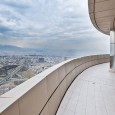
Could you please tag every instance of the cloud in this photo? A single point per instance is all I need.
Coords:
(53, 24)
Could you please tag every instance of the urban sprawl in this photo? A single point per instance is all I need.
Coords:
(15, 69)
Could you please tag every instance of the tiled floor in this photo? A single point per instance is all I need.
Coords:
(92, 93)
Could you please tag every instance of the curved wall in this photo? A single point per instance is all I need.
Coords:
(102, 14)
(42, 94)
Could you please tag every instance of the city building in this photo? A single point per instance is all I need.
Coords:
(82, 86)
(41, 60)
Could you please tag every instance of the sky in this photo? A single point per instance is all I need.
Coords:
(57, 25)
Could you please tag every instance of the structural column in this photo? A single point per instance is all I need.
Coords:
(112, 50)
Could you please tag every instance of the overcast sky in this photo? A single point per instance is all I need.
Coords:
(51, 24)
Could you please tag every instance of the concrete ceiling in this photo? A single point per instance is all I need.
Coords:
(102, 14)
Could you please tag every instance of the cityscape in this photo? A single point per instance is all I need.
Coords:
(15, 69)
(57, 57)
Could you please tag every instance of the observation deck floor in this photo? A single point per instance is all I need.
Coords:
(92, 93)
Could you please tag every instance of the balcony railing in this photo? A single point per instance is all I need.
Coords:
(42, 94)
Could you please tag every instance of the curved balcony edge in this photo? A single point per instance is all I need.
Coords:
(43, 93)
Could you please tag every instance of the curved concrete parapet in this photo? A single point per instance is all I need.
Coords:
(42, 94)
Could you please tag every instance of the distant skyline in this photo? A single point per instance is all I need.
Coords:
(57, 25)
